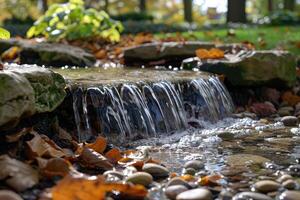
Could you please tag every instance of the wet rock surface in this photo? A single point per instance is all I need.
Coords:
(49, 54)
(255, 68)
(28, 89)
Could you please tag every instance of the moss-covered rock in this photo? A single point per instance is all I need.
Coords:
(28, 89)
(256, 68)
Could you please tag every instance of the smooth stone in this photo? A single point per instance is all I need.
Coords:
(178, 181)
(289, 195)
(141, 178)
(246, 159)
(156, 170)
(284, 178)
(251, 195)
(118, 174)
(283, 112)
(172, 191)
(266, 186)
(9, 195)
(289, 184)
(195, 194)
(189, 171)
(195, 164)
(289, 120)
(294, 169)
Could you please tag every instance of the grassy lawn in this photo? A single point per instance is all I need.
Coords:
(281, 37)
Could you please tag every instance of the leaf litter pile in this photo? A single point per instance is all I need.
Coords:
(37, 168)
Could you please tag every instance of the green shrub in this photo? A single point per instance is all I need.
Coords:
(72, 21)
(133, 16)
(284, 17)
(4, 34)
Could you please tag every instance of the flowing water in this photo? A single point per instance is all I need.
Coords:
(129, 110)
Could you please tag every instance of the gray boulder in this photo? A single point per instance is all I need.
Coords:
(49, 54)
(175, 52)
(255, 68)
(27, 90)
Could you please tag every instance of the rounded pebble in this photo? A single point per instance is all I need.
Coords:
(289, 184)
(289, 120)
(195, 194)
(172, 191)
(178, 181)
(189, 171)
(114, 173)
(9, 195)
(156, 170)
(266, 186)
(142, 178)
(284, 178)
(289, 195)
(195, 164)
(251, 195)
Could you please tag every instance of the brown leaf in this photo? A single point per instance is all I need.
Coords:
(213, 53)
(211, 180)
(81, 187)
(11, 54)
(42, 146)
(101, 54)
(114, 155)
(56, 167)
(93, 159)
(17, 174)
(16, 136)
(290, 98)
(99, 145)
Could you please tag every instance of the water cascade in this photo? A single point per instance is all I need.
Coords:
(144, 110)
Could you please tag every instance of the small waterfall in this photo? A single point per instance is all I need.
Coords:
(141, 110)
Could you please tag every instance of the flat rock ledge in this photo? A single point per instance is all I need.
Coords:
(26, 90)
(169, 52)
(255, 68)
(49, 54)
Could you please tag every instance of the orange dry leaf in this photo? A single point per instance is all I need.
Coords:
(56, 167)
(101, 54)
(93, 159)
(212, 180)
(11, 54)
(290, 98)
(213, 53)
(99, 145)
(114, 155)
(42, 146)
(93, 188)
(187, 177)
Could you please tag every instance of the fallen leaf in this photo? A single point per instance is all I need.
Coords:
(187, 177)
(290, 98)
(11, 54)
(99, 145)
(101, 54)
(17, 174)
(16, 136)
(56, 167)
(42, 146)
(211, 180)
(81, 187)
(114, 155)
(213, 53)
(93, 159)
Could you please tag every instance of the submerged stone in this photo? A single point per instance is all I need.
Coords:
(195, 194)
(141, 178)
(156, 170)
(266, 186)
(251, 195)
(289, 120)
(172, 191)
(289, 195)
(255, 68)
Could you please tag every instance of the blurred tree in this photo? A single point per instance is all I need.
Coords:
(289, 5)
(188, 10)
(236, 11)
(42, 5)
(143, 6)
(270, 5)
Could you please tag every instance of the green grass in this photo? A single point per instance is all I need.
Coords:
(281, 37)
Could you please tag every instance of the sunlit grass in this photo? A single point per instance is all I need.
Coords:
(282, 37)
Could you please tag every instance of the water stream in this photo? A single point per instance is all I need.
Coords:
(143, 110)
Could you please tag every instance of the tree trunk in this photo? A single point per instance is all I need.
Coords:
(43, 5)
(236, 11)
(106, 6)
(188, 10)
(289, 5)
(143, 6)
(270, 5)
